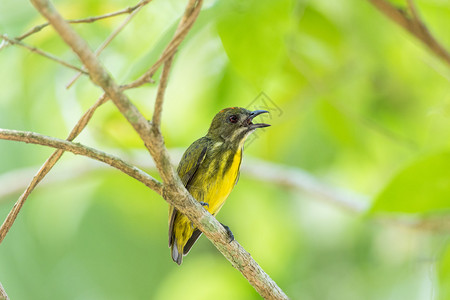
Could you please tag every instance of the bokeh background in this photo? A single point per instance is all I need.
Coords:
(356, 102)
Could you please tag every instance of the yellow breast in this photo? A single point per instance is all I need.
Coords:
(220, 191)
(217, 181)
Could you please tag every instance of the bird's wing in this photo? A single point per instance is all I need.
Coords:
(187, 168)
(191, 160)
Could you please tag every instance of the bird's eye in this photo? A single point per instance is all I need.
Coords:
(233, 118)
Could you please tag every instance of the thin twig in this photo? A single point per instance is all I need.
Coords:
(414, 25)
(127, 10)
(191, 13)
(42, 53)
(111, 37)
(173, 190)
(156, 120)
(46, 167)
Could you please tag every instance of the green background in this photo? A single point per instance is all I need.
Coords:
(355, 101)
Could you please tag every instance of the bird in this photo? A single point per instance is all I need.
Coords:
(209, 169)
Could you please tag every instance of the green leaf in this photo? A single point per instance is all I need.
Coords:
(422, 187)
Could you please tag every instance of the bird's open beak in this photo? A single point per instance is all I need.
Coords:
(248, 122)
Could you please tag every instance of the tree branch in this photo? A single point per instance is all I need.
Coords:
(414, 25)
(156, 120)
(42, 53)
(173, 190)
(190, 15)
(77, 148)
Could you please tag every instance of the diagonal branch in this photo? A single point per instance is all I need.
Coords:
(77, 148)
(173, 190)
(42, 53)
(46, 167)
(414, 25)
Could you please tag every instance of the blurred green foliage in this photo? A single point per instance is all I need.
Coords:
(419, 188)
(365, 107)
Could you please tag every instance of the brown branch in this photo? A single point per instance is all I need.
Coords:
(77, 148)
(127, 10)
(156, 120)
(46, 167)
(414, 25)
(42, 53)
(173, 190)
(112, 36)
(3, 295)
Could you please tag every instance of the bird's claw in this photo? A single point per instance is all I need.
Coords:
(228, 230)
(204, 204)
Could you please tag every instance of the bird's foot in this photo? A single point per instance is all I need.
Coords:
(204, 204)
(228, 230)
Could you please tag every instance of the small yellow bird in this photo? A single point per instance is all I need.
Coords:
(209, 170)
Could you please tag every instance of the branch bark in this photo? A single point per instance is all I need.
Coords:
(173, 190)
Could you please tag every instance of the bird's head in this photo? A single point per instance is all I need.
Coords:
(234, 124)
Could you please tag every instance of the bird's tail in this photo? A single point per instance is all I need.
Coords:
(177, 254)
